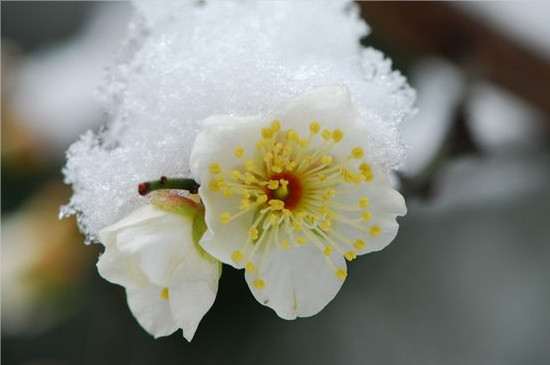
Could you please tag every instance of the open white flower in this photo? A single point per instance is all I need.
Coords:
(170, 282)
(291, 196)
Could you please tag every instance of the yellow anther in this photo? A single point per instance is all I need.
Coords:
(235, 174)
(225, 218)
(301, 240)
(364, 167)
(239, 151)
(291, 165)
(337, 135)
(276, 204)
(375, 231)
(327, 250)
(368, 175)
(326, 160)
(278, 146)
(286, 212)
(322, 177)
(245, 204)
(350, 255)
(366, 216)
(253, 234)
(215, 168)
(329, 194)
(363, 202)
(237, 256)
(326, 135)
(165, 293)
(214, 185)
(260, 144)
(303, 143)
(273, 184)
(268, 157)
(314, 127)
(359, 244)
(285, 244)
(292, 135)
(275, 125)
(277, 168)
(249, 178)
(325, 226)
(249, 165)
(261, 198)
(267, 133)
(250, 267)
(330, 215)
(350, 177)
(341, 274)
(259, 284)
(227, 192)
(357, 152)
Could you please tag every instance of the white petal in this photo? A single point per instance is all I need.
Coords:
(151, 310)
(139, 216)
(298, 281)
(193, 291)
(158, 242)
(217, 142)
(121, 269)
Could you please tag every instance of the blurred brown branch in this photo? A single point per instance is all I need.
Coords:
(440, 29)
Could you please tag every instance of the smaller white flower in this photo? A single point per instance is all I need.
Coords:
(170, 281)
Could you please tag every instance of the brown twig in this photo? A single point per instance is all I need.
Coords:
(441, 29)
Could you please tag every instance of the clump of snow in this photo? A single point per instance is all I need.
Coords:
(184, 61)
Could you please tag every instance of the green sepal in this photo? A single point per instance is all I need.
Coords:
(174, 203)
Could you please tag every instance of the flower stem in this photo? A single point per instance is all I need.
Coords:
(168, 183)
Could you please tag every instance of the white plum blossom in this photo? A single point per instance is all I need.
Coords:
(170, 282)
(291, 196)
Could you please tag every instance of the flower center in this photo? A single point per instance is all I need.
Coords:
(291, 185)
(289, 190)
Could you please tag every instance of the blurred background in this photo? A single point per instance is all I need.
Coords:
(465, 282)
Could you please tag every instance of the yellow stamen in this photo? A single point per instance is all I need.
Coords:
(259, 284)
(250, 267)
(165, 294)
(359, 244)
(375, 231)
(301, 240)
(350, 255)
(366, 216)
(341, 274)
(337, 135)
(239, 152)
(237, 256)
(357, 152)
(225, 218)
(314, 127)
(253, 234)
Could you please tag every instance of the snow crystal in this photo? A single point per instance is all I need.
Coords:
(184, 61)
